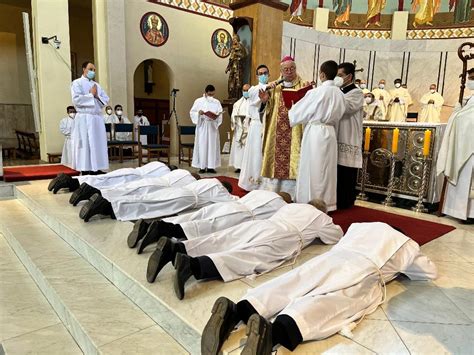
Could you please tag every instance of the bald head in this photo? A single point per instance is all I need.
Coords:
(246, 87)
(285, 196)
(196, 176)
(318, 204)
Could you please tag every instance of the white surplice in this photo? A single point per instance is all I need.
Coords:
(456, 162)
(120, 136)
(89, 137)
(349, 130)
(171, 200)
(332, 291)
(320, 109)
(148, 185)
(374, 111)
(257, 247)
(120, 176)
(431, 112)
(249, 178)
(207, 148)
(141, 121)
(397, 111)
(384, 97)
(240, 128)
(66, 126)
(256, 205)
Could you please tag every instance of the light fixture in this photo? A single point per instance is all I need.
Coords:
(56, 41)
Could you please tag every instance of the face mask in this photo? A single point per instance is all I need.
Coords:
(470, 84)
(245, 94)
(140, 114)
(381, 86)
(363, 86)
(432, 91)
(90, 74)
(397, 85)
(338, 81)
(72, 114)
(109, 112)
(263, 79)
(119, 112)
(368, 100)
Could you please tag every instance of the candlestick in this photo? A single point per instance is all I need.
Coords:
(427, 143)
(396, 132)
(362, 196)
(367, 139)
(391, 182)
(421, 191)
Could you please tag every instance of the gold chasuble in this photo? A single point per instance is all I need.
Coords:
(281, 143)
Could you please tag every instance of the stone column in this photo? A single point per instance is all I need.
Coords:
(321, 19)
(399, 25)
(100, 37)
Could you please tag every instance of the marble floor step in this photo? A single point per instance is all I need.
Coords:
(28, 324)
(99, 317)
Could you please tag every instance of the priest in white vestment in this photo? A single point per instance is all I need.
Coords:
(140, 120)
(250, 177)
(431, 102)
(374, 110)
(456, 160)
(381, 94)
(256, 205)
(206, 114)
(251, 248)
(66, 126)
(363, 86)
(328, 294)
(320, 110)
(399, 103)
(349, 138)
(118, 117)
(89, 137)
(239, 126)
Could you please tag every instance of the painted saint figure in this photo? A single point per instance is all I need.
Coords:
(425, 11)
(154, 35)
(296, 9)
(462, 10)
(342, 9)
(374, 10)
(222, 49)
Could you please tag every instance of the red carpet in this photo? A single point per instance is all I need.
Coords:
(420, 231)
(35, 172)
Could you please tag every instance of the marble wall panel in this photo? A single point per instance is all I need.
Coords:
(329, 53)
(452, 82)
(14, 116)
(285, 45)
(388, 66)
(362, 58)
(305, 53)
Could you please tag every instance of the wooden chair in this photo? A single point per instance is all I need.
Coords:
(186, 131)
(28, 144)
(120, 144)
(153, 146)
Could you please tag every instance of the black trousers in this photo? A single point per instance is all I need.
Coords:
(346, 187)
(203, 267)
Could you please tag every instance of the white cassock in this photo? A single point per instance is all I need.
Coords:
(120, 136)
(397, 111)
(431, 112)
(239, 125)
(374, 111)
(257, 247)
(249, 178)
(148, 185)
(456, 162)
(141, 121)
(89, 137)
(384, 97)
(121, 176)
(365, 91)
(207, 147)
(349, 130)
(171, 200)
(320, 109)
(332, 291)
(66, 126)
(256, 205)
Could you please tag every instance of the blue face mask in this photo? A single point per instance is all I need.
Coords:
(245, 94)
(90, 74)
(263, 79)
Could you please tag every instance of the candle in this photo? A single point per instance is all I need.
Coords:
(396, 131)
(427, 143)
(367, 139)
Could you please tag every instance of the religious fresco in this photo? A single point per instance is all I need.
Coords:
(221, 42)
(154, 29)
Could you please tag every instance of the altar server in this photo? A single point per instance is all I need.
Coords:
(256, 205)
(431, 102)
(66, 126)
(374, 110)
(239, 126)
(456, 159)
(321, 110)
(399, 102)
(254, 247)
(118, 117)
(89, 137)
(206, 114)
(325, 295)
(382, 95)
(249, 178)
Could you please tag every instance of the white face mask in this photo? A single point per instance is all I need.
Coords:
(363, 86)
(72, 114)
(382, 86)
(368, 100)
(338, 81)
(119, 112)
(397, 85)
(109, 112)
(470, 84)
(432, 91)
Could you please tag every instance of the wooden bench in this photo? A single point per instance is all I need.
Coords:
(28, 145)
(54, 157)
(9, 152)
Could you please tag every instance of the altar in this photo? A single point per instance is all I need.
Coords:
(408, 160)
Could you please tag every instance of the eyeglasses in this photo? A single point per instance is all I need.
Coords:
(288, 70)
(262, 73)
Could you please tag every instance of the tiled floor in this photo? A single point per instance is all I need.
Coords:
(418, 317)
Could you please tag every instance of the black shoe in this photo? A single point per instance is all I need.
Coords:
(164, 253)
(100, 172)
(96, 205)
(151, 236)
(223, 320)
(83, 193)
(138, 232)
(182, 264)
(211, 171)
(202, 171)
(63, 181)
(54, 181)
(259, 336)
(237, 171)
(86, 172)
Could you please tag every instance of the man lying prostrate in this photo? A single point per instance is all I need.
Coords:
(91, 184)
(256, 205)
(165, 202)
(325, 295)
(253, 247)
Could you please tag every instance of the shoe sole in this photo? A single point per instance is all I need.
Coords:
(75, 195)
(155, 264)
(52, 183)
(146, 237)
(85, 210)
(134, 235)
(255, 331)
(177, 287)
(210, 340)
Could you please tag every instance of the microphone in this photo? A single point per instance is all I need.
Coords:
(279, 82)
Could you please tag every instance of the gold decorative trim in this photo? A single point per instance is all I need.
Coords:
(439, 33)
(200, 7)
(372, 34)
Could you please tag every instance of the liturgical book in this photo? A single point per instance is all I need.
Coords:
(292, 96)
